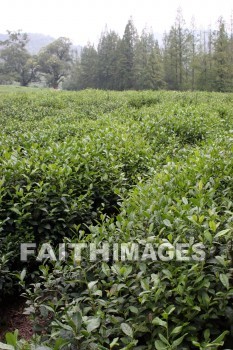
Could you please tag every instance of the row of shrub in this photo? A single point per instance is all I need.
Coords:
(132, 167)
(150, 304)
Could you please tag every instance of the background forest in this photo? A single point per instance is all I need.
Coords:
(185, 59)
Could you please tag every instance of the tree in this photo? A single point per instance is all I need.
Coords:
(193, 56)
(204, 78)
(88, 67)
(107, 60)
(148, 68)
(55, 60)
(176, 55)
(72, 81)
(231, 48)
(126, 54)
(170, 60)
(17, 64)
(222, 59)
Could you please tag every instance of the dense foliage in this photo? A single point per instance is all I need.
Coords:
(186, 58)
(17, 65)
(139, 167)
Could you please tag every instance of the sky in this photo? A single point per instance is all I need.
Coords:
(83, 20)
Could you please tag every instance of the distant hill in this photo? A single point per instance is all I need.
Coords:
(37, 41)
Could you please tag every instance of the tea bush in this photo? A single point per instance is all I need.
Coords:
(152, 304)
(139, 167)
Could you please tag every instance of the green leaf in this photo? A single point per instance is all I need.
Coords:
(133, 309)
(15, 210)
(11, 338)
(178, 341)
(221, 260)
(159, 345)
(164, 340)
(151, 227)
(158, 322)
(23, 274)
(114, 342)
(77, 319)
(212, 226)
(105, 268)
(207, 334)
(127, 330)
(92, 284)
(208, 236)
(218, 341)
(59, 343)
(225, 280)
(222, 233)
(177, 330)
(205, 298)
(145, 284)
(167, 223)
(170, 309)
(93, 324)
(200, 185)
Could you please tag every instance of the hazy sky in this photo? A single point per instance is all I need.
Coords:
(84, 20)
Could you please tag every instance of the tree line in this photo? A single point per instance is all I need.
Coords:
(187, 59)
(50, 66)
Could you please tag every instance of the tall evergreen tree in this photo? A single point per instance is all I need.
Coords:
(148, 68)
(88, 76)
(231, 51)
(107, 60)
(170, 59)
(221, 59)
(176, 54)
(188, 60)
(204, 78)
(193, 55)
(126, 54)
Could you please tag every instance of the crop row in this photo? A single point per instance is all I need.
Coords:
(128, 167)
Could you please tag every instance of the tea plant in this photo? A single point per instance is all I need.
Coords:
(140, 167)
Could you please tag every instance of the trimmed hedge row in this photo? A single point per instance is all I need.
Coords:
(144, 167)
(152, 304)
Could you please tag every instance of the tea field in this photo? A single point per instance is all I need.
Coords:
(145, 168)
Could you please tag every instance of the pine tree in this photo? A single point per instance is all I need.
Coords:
(221, 59)
(88, 77)
(148, 68)
(170, 59)
(231, 52)
(193, 55)
(126, 55)
(176, 54)
(107, 60)
(204, 79)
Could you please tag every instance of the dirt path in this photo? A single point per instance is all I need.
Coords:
(11, 318)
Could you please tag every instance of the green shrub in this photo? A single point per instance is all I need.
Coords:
(99, 166)
(155, 304)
